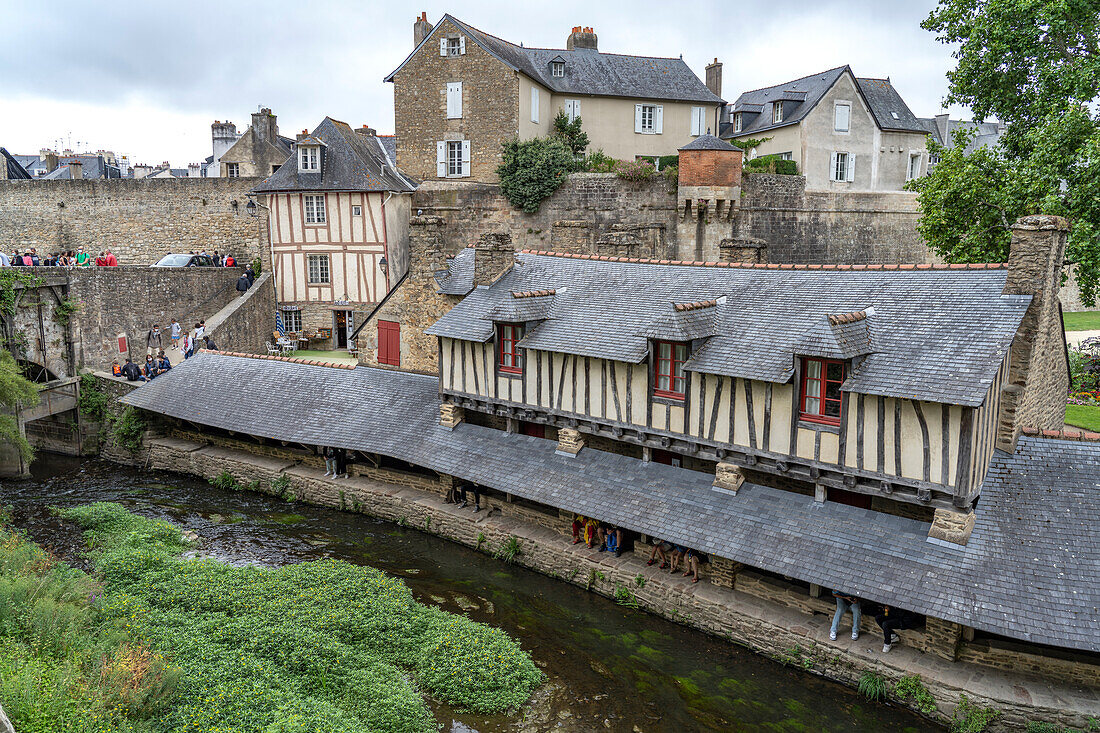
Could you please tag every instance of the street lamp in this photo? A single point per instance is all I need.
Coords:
(383, 265)
(251, 206)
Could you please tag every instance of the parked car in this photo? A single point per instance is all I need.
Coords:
(185, 261)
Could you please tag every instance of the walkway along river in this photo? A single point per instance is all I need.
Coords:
(609, 667)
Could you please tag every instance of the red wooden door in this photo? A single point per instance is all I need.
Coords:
(389, 343)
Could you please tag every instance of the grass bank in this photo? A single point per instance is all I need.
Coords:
(322, 647)
(1083, 416)
(1081, 321)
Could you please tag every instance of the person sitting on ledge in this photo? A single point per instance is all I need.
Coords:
(132, 372)
(844, 601)
(691, 564)
(679, 552)
(209, 344)
(890, 620)
(163, 364)
(660, 552)
(116, 368)
(611, 538)
(591, 532)
(578, 528)
(476, 490)
(150, 370)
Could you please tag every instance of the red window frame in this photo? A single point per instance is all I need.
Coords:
(509, 356)
(670, 369)
(820, 383)
(389, 343)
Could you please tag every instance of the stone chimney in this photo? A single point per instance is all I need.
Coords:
(1034, 392)
(493, 254)
(421, 29)
(743, 249)
(263, 126)
(581, 38)
(367, 130)
(51, 161)
(76, 170)
(714, 77)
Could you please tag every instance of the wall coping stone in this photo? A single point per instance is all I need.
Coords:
(772, 265)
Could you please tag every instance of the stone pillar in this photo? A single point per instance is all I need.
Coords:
(952, 526)
(723, 572)
(446, 483)
(750, 250)
(1034, 391)
(944, 638)
(821, 493)
(728, 477)
(493, 254)
(570, 441)
(450, 415)
(427, 250)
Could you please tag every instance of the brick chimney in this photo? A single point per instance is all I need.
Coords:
(581, 38)
(51, 162)
(76, 170)
(421, 29)
(1034, 393)
(714, 77)
(493, 254)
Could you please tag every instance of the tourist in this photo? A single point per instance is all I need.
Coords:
(28, 261)
(890, 620)
(692, 560)
(176, 332)
(5, 261)
(186, 345)
(329, 454)
(250, 273)
(150, 370)
(82, 259)
(591, 532)
(209, 343)
(229, 261)
(200, 330)
(473, 488)
(679, 552)
(845, 601)
(153, 339)
(243, 284)
(112, 261)
(163, 364)
(131, 371)
(660, 552)
(217, 259)
(116, 369)
(578, 528)
(35, 261)
(611, 539)
(101, 259)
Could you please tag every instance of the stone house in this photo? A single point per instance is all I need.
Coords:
(845, 133)
(258, 152)
(463, 92)
(338, 214)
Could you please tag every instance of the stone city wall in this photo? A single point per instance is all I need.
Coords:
(139, 220)
(790, 635)
(247, 322)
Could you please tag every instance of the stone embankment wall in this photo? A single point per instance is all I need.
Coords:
(139, 220)
(247, 322)
(757, 614)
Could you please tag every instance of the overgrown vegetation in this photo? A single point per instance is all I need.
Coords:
(636, 171)
(10, 277)
(225, 482)
(15, 391)
(324, 647)
(912, 689)
(129, 429)
(94, 400)
(257, 266)
(570, 134)
(1037, 727)
(625, 597)
(771, 164)
(971, 718)
(872, 685)
(64, 310)
(533, 169)
(280, 484)
(509, 550)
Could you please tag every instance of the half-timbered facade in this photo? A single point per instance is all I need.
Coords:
(338, 214)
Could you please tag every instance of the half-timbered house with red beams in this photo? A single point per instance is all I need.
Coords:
(338, 213)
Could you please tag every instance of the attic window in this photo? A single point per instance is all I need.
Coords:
(821, 399)
(737, 122)
(557, 68)
(309, 158)
(668, 369)
(777, 112)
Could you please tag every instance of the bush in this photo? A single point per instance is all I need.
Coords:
(638, 171)
(532, 170)
(225, 482)
(912, 688)
(570, 134)
(872, 686)
(672, 177)
(93, 399)
(598, 162)
(969, 718)
(129, 430)
(257, 266)
(771, 164)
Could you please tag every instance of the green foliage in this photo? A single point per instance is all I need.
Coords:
(771, 164)
(323, 647)
(570, 134)
(509, 551)
(533, 169)
(257, 266)
(64, 310)
(672, 177)
(598, 162)
(129, 429)
(480, 539)
(639, 580)
(280, 484)
(10, 277)
(625, 597)
(970, 718)
(1083, 416)
(15, 390)
(1035, 66)
(93, 398)
(225, 482)
(1037, 727)
(872, 685)
(637, 171)
(911, 688)
(749, 143)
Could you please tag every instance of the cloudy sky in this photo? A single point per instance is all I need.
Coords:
(147, 78)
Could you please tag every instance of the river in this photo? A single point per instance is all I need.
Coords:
(609, 668)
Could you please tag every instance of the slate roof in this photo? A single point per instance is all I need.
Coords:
(1029, 570)
(351, 162)
(16, 171)
(588, 71)
(93, 167)
(942, 128)
(709, 142)
(801, 96)
(938, 334)
(458, 278)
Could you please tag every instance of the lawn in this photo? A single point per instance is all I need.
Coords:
(1083, 416)
(1082, 321)
(338, 356)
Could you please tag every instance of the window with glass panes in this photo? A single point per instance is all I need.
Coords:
(649, 112)
(668, 369)
(509, 355)
(318, 269)
(292, 321)
(454, 158)
(822, 399)
(314, 209)
(454, 46)
(232, 170)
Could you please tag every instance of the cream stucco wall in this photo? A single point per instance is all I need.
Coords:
(547, 110)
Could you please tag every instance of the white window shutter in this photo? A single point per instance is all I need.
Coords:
(534, 104)
(659, 119)
(832, 167)
(450, 100)
(694, 120)
(637, 118)
(441, 159)
(576, 109)
(442, 46)
(462, 44)
(465, 157)
(851, 167)
(458, 99)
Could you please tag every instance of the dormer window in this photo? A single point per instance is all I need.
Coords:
(737, 122)
(309, 157)
(777, 112)
(821, 400)
(509, 355)
(557, 68)
(668, 369)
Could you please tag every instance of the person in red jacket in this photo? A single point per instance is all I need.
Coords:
(229, 261)
(110, 259)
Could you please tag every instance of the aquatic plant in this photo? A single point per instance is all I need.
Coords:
(325, 645)
(912, 689)
(872, 685)
(625, 597)
(971, 718)
(480, 539)
(509, 550)
(224, 481)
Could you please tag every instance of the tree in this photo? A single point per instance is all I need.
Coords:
(570, 133)
(532, 170)
(15, 390)
(1033, 64)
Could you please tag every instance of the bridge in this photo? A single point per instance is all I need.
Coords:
(56, 398)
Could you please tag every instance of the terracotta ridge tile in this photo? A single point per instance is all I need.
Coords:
(272, 357)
